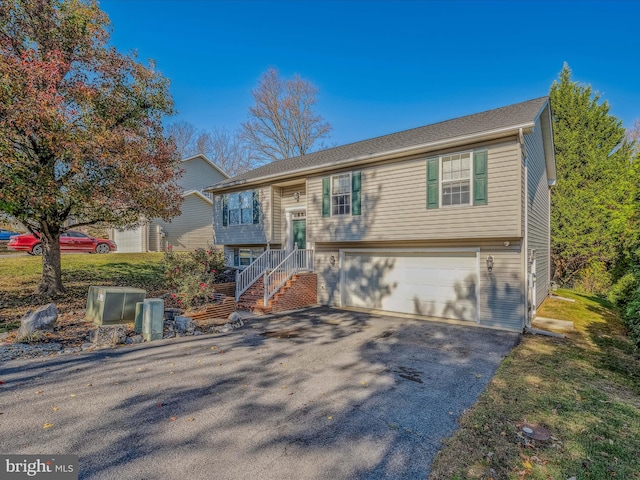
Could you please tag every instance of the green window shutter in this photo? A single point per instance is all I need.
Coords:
(433, 189)
(256, 207)
(356, 183)
(236, 257)
(326, 196)
(225, 210)
(480, 177)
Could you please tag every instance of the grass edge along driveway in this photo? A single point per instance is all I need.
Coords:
(585, 389)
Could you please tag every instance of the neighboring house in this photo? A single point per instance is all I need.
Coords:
(192, 228)
(450, 220)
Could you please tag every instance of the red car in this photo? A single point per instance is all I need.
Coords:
(70, 241)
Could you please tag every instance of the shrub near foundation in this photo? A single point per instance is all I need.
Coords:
(192, 275)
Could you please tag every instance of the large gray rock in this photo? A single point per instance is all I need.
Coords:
(234, 317)
(183, 324)
(43, 318)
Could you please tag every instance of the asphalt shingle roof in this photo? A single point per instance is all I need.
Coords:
(490, 120)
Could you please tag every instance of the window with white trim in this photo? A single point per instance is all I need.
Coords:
(241, 208)
(456, 179)
(341, 194)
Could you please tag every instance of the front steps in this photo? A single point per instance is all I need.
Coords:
(299, 291)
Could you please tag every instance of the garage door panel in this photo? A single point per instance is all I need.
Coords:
(439, 285)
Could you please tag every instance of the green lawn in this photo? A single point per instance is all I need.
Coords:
(19, 277)
(585, 389)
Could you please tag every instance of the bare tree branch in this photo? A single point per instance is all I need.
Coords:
(282, 122)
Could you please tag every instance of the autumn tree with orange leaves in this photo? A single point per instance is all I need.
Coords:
(80, 127)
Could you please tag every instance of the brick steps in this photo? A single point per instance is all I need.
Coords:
(298, 291)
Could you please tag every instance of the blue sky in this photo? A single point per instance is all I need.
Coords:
(382, 67)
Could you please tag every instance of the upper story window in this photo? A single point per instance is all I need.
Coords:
(341, 194)
(457, 179)
(240, 208)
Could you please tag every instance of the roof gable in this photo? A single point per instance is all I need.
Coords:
(205, 159)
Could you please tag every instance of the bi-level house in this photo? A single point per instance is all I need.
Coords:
(447, 221)
(193, 227)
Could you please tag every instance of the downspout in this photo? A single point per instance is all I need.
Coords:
(525, 243)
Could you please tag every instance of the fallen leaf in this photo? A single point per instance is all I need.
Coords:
(190, 419)
(38, 392)
(1, 382)
(89, 384)
(72, 395)
(172, 419)
(527, 465)
(171, 373)
(363, 383)
(47, 425)
(330, 417)
(159, 404)
(213, 348)
(55, 409)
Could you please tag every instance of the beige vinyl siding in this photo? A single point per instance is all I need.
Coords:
(394, 204)
(252, 234)
(538, 210)
(276, 215)
(192, 229)
(198, 174)
(502, 294)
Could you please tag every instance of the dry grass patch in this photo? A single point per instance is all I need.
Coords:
(584, 389)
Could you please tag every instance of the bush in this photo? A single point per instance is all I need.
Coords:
(631, 317)
(625, 295)
(192, 275)
(622, 291)
(594, 278)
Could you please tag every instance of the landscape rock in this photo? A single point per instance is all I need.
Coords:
(234, 317)
(183, 324)
(109, 335)
(42, 319)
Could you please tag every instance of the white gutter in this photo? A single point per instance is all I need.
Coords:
(414, 149)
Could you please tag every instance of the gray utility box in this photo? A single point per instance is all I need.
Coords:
(152, 319)
(113, 305)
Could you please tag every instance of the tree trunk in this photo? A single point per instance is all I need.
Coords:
(51, 282)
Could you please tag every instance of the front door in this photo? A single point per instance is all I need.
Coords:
(300, 233)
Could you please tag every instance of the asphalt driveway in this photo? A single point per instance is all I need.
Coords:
(320, 394)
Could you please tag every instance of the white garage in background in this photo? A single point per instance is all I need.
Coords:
(130, 241)
(441, 283)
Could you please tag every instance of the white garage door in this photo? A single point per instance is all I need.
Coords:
(129, 241)
(432, 284)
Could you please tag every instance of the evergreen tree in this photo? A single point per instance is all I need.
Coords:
(591, 204)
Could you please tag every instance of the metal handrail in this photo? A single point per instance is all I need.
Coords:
(247, 277)
(298, 260)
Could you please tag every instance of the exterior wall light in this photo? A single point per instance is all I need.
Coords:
(332, 261)
(296, 195)
(490, 263)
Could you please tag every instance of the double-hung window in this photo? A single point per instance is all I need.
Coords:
(239, 208)
(341, 194)
(457, 179)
